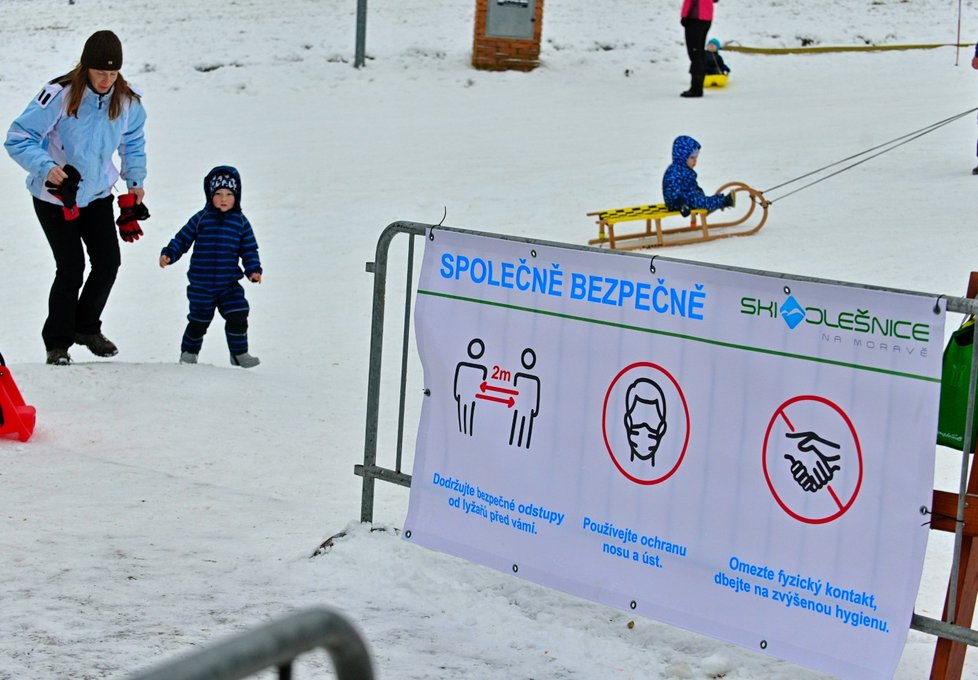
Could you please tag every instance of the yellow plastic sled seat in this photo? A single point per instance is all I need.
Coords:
(716, 80)
(696, 228)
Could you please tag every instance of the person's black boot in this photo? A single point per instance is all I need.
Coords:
(695, 87)
(58, 357)
(98, 344)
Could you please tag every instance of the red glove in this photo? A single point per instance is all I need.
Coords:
(129, 213)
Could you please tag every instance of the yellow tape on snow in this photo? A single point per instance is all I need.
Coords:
(837, 48)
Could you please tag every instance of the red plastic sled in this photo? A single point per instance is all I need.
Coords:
(16, 418)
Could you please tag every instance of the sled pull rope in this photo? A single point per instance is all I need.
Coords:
(889, 146)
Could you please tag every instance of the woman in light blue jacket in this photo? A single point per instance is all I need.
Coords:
(65, 140)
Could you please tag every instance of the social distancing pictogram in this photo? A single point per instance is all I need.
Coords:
(483, 389)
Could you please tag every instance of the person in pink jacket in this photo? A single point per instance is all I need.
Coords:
(697, 15)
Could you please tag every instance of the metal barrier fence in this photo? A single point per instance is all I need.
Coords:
(371, 471)
(274, 645)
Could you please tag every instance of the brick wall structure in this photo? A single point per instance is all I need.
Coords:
(492, 53)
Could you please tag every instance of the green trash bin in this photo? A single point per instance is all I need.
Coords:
(955, 382)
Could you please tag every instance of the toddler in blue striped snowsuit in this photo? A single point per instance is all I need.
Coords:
(221, 236)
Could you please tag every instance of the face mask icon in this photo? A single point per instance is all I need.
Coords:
(645, 419)
(645, 423)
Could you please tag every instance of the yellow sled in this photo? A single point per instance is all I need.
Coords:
(699, 228)
(715, 80)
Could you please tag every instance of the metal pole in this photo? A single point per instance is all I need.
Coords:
(358, 60)
(957, 44)
(405, 343)
(379, 269)
(949, 631)
(274, 645)
(969, 428)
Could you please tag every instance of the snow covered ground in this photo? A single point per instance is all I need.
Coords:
(160, 507)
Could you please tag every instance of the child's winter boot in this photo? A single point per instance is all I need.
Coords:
(244, 360)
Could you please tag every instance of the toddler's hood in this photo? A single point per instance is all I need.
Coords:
(683, 148)
(223, 177)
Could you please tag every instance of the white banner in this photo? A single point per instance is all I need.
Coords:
(741, 455)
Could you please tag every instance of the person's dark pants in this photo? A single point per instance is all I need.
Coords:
(93, 231)
(231, 304)
(696, 30)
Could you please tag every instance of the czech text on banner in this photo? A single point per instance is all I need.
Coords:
(739, 454)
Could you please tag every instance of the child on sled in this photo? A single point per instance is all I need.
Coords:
(714, 62)
(680, 188)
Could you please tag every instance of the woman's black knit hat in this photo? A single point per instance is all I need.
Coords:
(103, 52)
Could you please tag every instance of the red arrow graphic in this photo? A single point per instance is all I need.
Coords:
(486, 387)
(509, 401)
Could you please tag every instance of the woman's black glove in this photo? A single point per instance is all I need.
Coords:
(67, 191)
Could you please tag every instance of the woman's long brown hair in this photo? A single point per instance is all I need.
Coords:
(78, 80)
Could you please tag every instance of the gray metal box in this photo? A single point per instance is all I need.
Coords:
(510, 19)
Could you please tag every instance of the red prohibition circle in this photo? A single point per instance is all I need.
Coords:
(843, 507)
(604, 419)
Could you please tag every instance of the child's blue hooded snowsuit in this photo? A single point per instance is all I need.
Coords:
(219, 240)
(679, 186)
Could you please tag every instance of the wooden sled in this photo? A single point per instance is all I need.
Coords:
(700, 227)
(715, 80)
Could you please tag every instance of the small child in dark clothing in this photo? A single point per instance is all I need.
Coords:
(714, 62)
(680, 189)
(220, 235)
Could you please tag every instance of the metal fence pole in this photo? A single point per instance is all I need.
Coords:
(405, 343)
(369, 469)
(360, 56)
(969, 426)
(274, 645)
